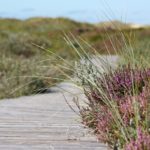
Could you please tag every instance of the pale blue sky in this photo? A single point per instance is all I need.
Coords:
(136, 11)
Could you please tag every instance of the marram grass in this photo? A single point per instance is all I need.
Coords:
(118, 99)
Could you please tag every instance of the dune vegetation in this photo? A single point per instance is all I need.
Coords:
(37, 53)
(29, 49)
(117, 107)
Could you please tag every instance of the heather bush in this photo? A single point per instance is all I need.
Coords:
(142, 142)
(118, 104)
(121, 82)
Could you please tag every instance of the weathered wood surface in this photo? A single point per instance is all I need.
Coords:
(44, 122)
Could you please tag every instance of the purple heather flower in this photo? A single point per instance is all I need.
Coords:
(142, 141)
(124, 86)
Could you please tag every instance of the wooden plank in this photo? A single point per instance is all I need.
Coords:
(44, 122)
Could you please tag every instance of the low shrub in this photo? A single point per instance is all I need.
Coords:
(118, 106)
(20, 77)
(21, 44)
(121, 82)
(141, 143)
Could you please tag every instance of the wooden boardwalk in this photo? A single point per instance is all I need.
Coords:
(44, 122)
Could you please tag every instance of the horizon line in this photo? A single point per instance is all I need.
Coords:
(72, 19)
